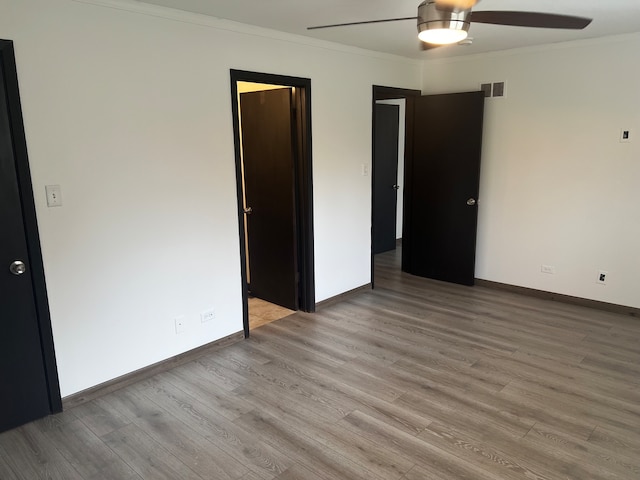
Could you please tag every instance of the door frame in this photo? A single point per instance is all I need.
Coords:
(23, 174)
(391, 93)
(304, 189)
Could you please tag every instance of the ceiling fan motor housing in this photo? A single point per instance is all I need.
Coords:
(430, 17)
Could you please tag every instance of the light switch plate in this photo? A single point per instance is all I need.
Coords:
(54, 195)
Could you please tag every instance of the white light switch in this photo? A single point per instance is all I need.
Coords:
(365, 169)
(54, 196)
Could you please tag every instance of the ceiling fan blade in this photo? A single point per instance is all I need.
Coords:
(362, 23)
(455, 4)
(530, 19)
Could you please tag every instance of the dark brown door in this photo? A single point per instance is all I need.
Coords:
(268, 152)
(442, 183)
(23, 384)
(385, 177)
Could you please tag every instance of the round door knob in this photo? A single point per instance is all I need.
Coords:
(18, 267)
(396, 187)
(471, 202)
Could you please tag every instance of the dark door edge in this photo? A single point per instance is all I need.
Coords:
(389, 93)
(7, 57)
(305, 232)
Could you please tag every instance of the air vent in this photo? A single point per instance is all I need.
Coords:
(499, 89)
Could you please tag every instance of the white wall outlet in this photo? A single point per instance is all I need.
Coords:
(207, 315)
(180, 323)
(602, 277)
(549, 269)
(625, 135)
(54, 195)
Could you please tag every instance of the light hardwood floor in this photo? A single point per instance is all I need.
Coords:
(414, 380)
(262, 312)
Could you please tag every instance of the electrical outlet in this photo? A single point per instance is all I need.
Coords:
(625, 136)
(365, 169)
(551, 270)
(54, 195)
(180, 323)
(207, 315)
(602, 277)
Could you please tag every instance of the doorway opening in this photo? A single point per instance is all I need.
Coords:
(272, 136)
(441, 184)
(392, 121)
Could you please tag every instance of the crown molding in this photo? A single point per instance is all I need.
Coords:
(141, 8)
(587, 42)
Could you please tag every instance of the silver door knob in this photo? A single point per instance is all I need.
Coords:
(18, 267)
(248, 210)
(396, 187)
(471, 202)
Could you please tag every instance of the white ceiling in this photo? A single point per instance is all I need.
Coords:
(611, 17)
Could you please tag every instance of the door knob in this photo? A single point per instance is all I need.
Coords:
(396, 187)
(248, 210)
(471, 202)
(18, 267)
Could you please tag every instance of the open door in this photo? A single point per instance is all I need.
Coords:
(268, 130)
(28, 378)
(442, 180)
(385, 177)
(294, 106)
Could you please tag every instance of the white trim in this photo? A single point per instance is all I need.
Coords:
(623, 38)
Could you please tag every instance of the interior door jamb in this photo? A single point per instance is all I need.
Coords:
(389, 93)
(304, 178)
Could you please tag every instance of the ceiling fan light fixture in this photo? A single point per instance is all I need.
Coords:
(442, 36)
(441, 27)
(456, 4)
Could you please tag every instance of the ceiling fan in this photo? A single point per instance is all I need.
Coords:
(443, 22)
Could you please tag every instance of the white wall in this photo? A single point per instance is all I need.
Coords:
(557, 186)
(128, 108)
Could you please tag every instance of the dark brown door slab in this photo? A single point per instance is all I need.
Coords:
(385, 177)
(268, 152)
(23, 383)
(443, 179)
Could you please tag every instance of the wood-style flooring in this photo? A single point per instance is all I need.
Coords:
(414, 380)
